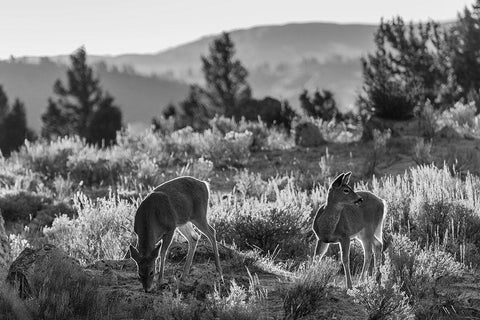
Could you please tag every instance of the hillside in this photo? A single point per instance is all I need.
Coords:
(282, 59)
(139, 97)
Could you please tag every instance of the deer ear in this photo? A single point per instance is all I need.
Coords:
(338, 181)
(346, 177)
(134, 254)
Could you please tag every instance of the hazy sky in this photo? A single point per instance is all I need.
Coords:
(48, 27)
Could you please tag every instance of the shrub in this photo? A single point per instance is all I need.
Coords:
(423, 152)
(102, 229)
(416, 270)
(236, 303)
(17, 244)
(22, 205)
(459, 116)
(281, 226)
(382, 301)
(306, 287)
(389, 100)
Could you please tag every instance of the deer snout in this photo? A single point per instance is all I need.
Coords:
(148, 289)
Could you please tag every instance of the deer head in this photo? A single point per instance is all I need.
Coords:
(146, 266)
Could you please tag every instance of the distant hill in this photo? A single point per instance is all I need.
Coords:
(282, 61)
(139, 97)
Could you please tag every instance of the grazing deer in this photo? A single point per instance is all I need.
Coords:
(346, 215)
(177, 203)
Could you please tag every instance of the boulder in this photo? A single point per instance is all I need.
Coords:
(32, 264)
(449, 133)
(308, 134)
(4, 246)
(460, 295)
(411, 127)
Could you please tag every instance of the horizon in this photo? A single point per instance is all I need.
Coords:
(148, 32)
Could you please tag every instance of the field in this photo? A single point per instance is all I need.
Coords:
(73, 200)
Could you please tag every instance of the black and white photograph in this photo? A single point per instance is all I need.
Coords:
(239, 160)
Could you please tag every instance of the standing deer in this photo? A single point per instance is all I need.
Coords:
(177, 203)
(347, 215)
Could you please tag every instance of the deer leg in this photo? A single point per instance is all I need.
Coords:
(345, 252)
(192, 237)
(166, 241)
(367, 256)
(377, 259)
(210, 233)
(320, 249)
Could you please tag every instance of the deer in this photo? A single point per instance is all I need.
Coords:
(348, 215)
(178, 204)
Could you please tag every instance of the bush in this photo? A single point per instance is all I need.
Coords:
(306, 287)
(383, 301)
(236, 303)
(280, 226)
(423, 152)
(389, 100)
(22, 205)
(416, 271)
(102, 229)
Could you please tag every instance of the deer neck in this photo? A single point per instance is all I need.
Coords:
(330, 217)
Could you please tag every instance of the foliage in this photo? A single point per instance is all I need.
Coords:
(280, 225)
(191, 112)
(322, 105)
(270, 111)
(22, 205)
(13, 125)
(407, 68)
(382, 300)
(423, 152)
(100, 231)
(306, 288)
(416, 271)
(81, 107)
(236, 303)
(226, 83)
(464, 47)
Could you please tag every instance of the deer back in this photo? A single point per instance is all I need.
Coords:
(169, 205)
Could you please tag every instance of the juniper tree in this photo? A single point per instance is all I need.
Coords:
(77, 104)
(226, 83)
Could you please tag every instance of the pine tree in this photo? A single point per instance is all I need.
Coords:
(3, 103)
(77, 104)
(13, 124)
(103, 125)
(407, 68)
(464, 49)
(55, 122)
(15, 128)
(225, 77)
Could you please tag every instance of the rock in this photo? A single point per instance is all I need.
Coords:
(465, 291)
(308, 134)
(449, 133)
(398, 128)
(32, 265)
(4, 246)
